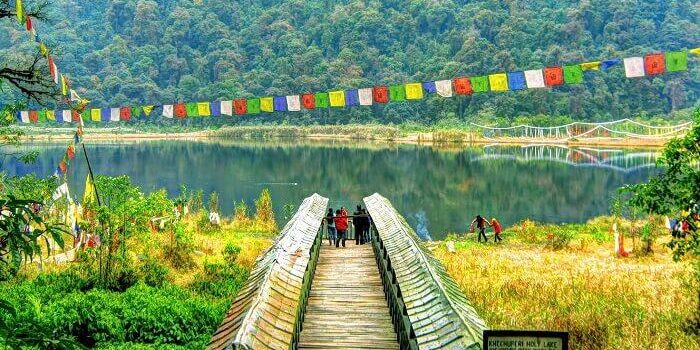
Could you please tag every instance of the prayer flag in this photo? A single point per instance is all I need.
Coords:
(105, 115)
(444, 87)
(429, 87)
(85, 115)
(168, 111)
(44, 50)
(279, 103)
(352, 98)
(594, 65)
(553, 76)
(240, 106)
(76, 117)
(414, 91)
(365, 96)
(654, 64)
(634, 67)
(192, 110)
(573, 74)
(215, 108)
(498, 82)
(267, 104)
(96, 115)
(516, 81)
(24, 116)
(33, 116)
(66, 116)
(203, 109)
(308, 100)
(227, 107)
(64, 85)
(52, 69)
(19, 10)
(337, 98)
(676, 61)
(89, 195)
(180, 110)
(534, 79)
(136, 112)
(62, 166)
(147, 110)
(70, 152)
(463, 86)
(397, 93)
(607, 64)
(51, 115)
(695, 51)
(42, 116)
(381, 94)
(480, 84)
(321, 99)
(114, 114)
(293, 103)
(28, 22)
(253, 106)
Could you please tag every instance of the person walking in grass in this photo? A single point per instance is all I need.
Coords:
(341, 225)
(497, 229)
(480, 223)
(330, 224)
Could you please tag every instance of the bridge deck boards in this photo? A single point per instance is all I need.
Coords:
(346, 308)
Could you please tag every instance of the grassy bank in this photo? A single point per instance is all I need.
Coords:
(639, 302)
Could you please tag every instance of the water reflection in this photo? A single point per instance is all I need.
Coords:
(437, 190)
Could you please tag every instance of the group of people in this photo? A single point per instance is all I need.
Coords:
(480, 222)
(338, 223)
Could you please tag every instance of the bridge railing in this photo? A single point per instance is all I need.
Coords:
(306, 287)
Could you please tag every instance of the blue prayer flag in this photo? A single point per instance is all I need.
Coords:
(106, 115)
(215, 108)
(352, 98)
(516, 81)
(280, 103)
(429, 87)
(607, 64)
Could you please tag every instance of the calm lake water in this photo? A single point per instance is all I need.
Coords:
(437, 190)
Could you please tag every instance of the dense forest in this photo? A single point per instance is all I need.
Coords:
(122, 52)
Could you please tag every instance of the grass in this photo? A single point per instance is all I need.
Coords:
(603, 301)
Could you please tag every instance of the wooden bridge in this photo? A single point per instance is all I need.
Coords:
(391, 293)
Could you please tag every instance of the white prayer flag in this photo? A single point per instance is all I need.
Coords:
(293, 103)
(24, 115)
(67, 115)
(634, 67)
(534, 79)
(55, 77)
(365, 96)
(444, 88)
(168, 111)
(227, 108)
(114, 114)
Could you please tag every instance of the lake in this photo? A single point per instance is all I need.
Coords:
(438, 190)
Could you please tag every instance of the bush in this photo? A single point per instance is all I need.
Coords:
(219, 280)
(153, 273)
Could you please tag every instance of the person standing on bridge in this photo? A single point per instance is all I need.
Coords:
(359, 224)
(341, 224)
(481, 226)
(330, 223)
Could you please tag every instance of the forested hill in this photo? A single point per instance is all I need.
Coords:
(136, 51)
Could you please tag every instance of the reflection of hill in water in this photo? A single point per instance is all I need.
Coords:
(450, 186)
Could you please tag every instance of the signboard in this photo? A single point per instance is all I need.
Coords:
(525, 340)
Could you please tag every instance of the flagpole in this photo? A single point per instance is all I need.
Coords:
(92, 177)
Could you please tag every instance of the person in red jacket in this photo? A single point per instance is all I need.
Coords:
(341, 225)
(496, 230)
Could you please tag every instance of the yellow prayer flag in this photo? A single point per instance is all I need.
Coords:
(267, 104)
(594, 65)
(95, 115)
(147, 110)
(20, 11)
(498, 82)
(64, 85)
(89, 195)
(203, 109)
(51, 115)
(337, 98)
(44, 50)
(414, 91)
(695, 51)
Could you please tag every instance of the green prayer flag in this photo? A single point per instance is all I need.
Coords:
(480, 84)
(321, 100)
(85, 115)
(573, 74)
(192, 110)
(253, 105)
(136, 112)
(42, 116)
(676, 61)
(397, 93)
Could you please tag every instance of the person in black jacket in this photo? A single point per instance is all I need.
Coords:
(358, 223)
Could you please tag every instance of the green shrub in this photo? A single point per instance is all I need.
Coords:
(219, 280)
(230, 253)
(153, 273)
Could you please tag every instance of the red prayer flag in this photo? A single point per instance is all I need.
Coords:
(463, 86)
(655, 63)
(125, 114)
(52, 69)
(63, 166)
(553, 76)
(70, 152)
(180, 110)
(381, 94)
(240, 106)
(75, 116)
(309, 101)
(33, 116)
(29, 23)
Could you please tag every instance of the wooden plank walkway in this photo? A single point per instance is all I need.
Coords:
(347, 308)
